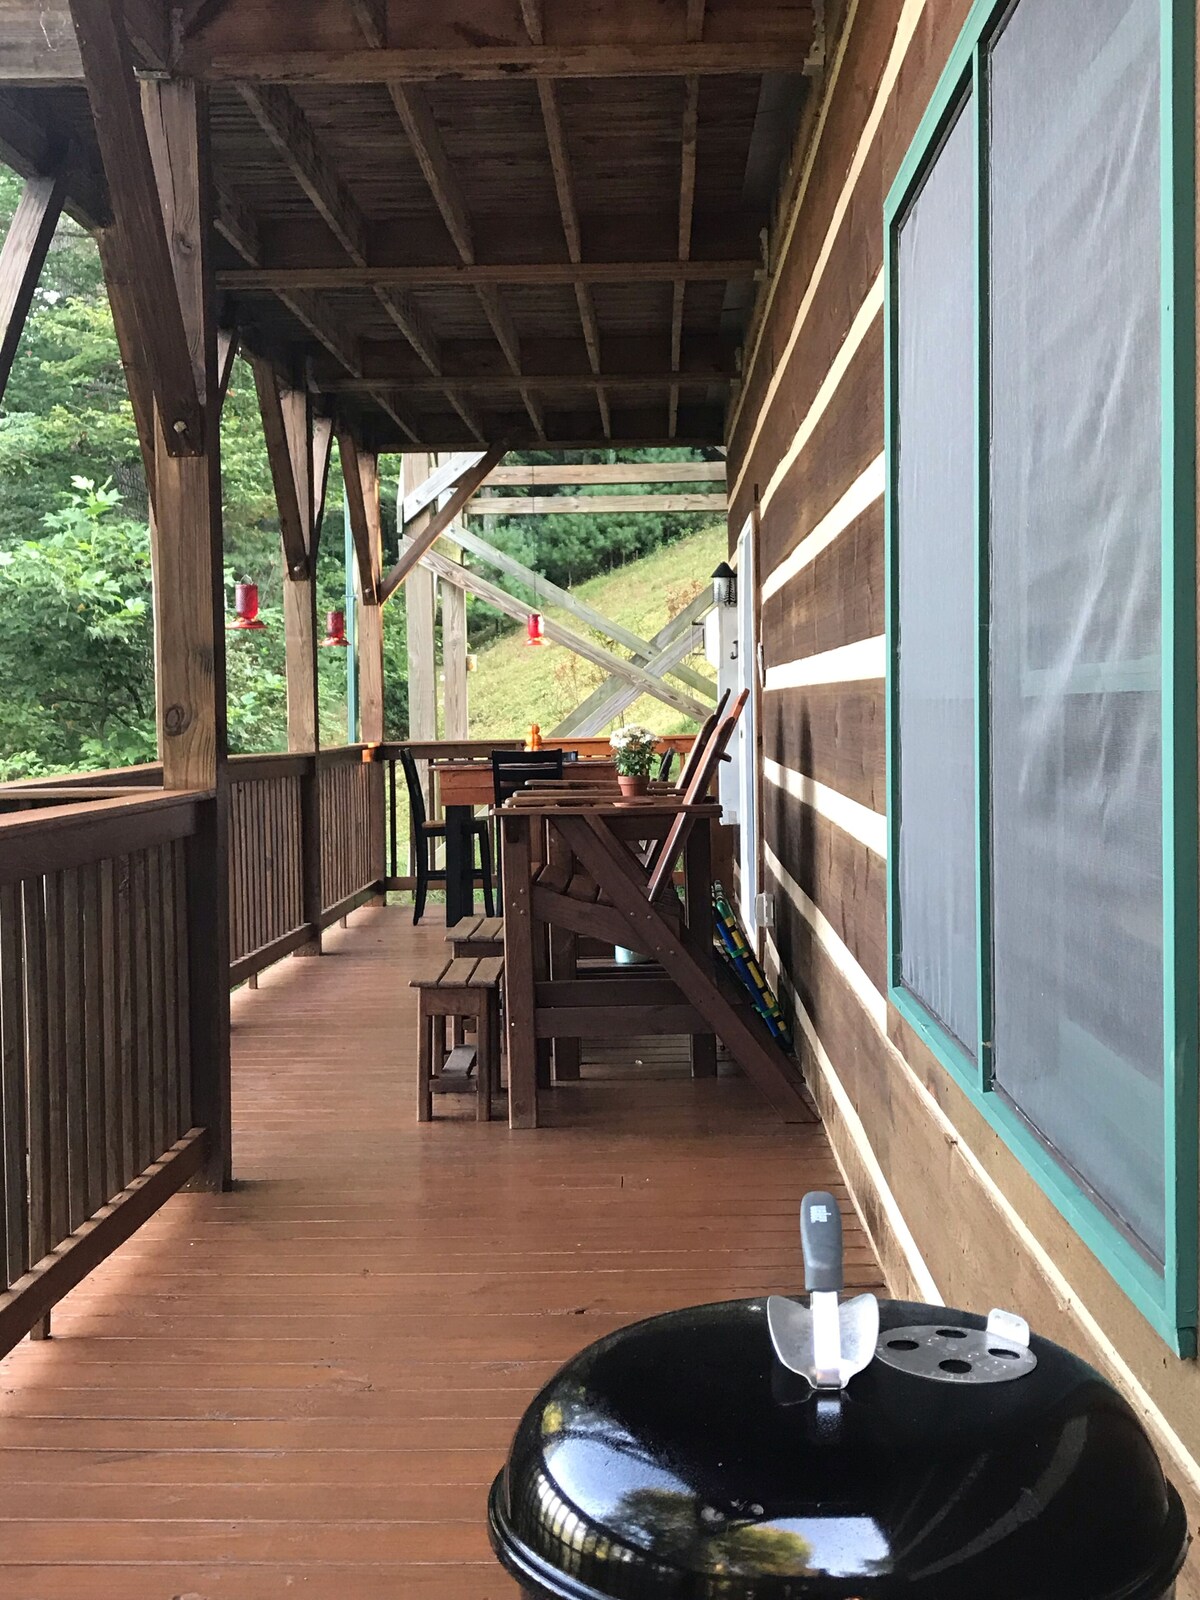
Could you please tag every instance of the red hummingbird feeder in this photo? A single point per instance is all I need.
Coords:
(245, 609)
(335, 631)
(535, 629)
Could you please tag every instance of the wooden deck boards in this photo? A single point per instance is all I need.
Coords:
(304, 1387)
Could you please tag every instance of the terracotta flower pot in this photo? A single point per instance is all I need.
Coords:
(633, 783)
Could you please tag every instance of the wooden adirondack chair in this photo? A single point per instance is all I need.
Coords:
(597, 881)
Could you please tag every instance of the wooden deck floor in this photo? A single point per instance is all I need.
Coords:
(304, 1387)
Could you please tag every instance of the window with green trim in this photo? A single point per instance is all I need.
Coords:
(1041, 611)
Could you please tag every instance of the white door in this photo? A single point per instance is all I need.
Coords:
(746, 755)
(736, 638)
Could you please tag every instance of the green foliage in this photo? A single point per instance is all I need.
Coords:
(76, 632)
(77, 640)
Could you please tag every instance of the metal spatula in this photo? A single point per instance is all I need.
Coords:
(825, 1342)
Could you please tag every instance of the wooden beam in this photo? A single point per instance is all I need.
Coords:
(197, 14)
(293, 138)
(118, 280)
(186, 528)
(293, 522)
(441, 478)
(238, 227)
(502, 63)
(371, 16)
(495, 505)
(21, 260)
(322, 449)
(694, 21)
(614, 696)
(471, 275)
(493, 383)
(441, 519)
(531, 16)
(687, 201)
(125, 149)
(610, 472)
(360, 521)
(450, 572)
(427, 146)
(227, 350)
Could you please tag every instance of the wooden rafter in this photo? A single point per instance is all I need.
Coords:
(124, 147)
(293, 522)
(441, 519)
(425, 139)
(22, 257)
(292, 136)
(540, 273)
(564, 188)
(502, 63)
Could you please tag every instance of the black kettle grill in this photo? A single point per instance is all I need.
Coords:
(694, 1457)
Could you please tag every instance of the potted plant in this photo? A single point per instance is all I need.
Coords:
(633, 747)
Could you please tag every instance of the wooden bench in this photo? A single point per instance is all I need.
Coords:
(466, 988)
(477, 936)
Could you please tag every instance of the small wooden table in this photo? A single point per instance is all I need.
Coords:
(463, 785)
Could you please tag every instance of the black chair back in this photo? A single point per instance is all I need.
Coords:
(665, 765)
(416, 797)
(513, 769)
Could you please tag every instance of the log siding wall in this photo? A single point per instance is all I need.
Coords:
(949, 1207)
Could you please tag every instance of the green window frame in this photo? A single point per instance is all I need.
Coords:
(1167, 1299)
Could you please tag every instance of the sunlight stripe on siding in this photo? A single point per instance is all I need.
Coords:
(863, 492)
(871, 308)
(857, 1133)
(848, 663)
(838, 950)
(906, 26)
(859, 821)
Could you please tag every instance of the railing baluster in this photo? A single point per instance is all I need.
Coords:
(72, 927)
(12, 1081)
(37, 1053)
(114, 1059)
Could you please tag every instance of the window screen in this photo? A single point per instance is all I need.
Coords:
(1075, 592)
(935, 664)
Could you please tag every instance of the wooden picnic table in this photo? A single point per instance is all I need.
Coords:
(463, 785)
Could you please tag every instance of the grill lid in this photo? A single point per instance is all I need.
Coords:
(680, 1458)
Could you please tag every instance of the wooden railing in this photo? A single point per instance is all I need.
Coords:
(351, 808)
(104, 1057)
(266, 860)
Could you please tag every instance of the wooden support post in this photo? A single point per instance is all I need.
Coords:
(455, 716)
(300, 640)
(21, 259)
(423, 533)
(369, 633)
(189, 600)
(420, 599)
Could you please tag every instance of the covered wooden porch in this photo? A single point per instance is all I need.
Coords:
(305, 1385)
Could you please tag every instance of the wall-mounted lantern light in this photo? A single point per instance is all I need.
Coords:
(724, 582)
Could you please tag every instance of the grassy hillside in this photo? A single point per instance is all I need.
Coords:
(515, 685)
